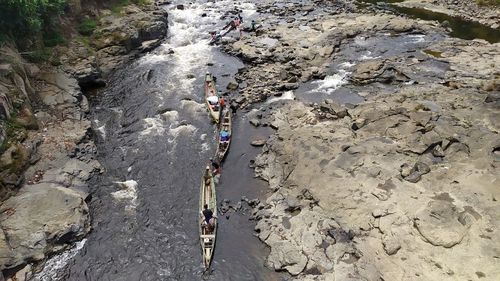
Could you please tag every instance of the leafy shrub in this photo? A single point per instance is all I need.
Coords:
(21, 19)
(53, 38)
(87, 27)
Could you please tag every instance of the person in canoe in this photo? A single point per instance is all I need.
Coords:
(224, 135)
(215, 166)
(208, 218)
(207, 177)
(214, 102)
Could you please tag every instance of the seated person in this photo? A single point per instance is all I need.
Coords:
(207, 177)
(208, 218)
(224, 135)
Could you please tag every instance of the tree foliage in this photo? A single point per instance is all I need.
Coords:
(20, 19)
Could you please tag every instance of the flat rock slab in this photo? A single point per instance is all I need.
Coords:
(258, 142)
(441, 224)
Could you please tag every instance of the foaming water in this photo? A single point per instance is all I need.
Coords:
(332, 82)
(128, 194)
(152, 126)
(288, 95)
(58, 262)
(367, 56)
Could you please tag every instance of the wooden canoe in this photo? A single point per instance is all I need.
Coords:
(226, 125)
(210, 91)
(207, 238)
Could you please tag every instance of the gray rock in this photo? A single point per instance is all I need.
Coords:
(285, 256)
(438, 151)
(254, 122)
(232, 85)
(417, 171)
(439, 224)
(391, 244)
(334, 108)
(40, 219)
(155, 30)
(405, 170)
(258, 142)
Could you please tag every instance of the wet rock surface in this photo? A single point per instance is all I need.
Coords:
(470, 10)
(41, 219)
(398, 185)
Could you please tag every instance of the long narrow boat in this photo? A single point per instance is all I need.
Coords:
(225, 129)
(211, 98)
(207, 237)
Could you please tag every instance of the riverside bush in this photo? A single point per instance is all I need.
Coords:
(22, 20)
(87, 27)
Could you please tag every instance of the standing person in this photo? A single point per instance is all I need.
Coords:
(233, 107)
(253, 25)
(240, 17)
(215, 166)
(207, 213)
(208, 219)
(221, 101)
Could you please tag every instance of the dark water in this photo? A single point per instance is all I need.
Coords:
(460, 28)
(154, 139)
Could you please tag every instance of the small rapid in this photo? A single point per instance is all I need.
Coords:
(154, 137)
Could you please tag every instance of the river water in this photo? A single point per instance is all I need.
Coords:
(154, 139)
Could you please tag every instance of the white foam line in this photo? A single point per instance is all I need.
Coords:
(57, 262)
(289, 95)
(128, 193)
(332, 82)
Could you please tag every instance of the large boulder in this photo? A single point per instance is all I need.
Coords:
(41, 219)
(441, 223)
(286, 256)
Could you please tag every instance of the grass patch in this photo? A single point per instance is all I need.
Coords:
(38, 56)
(488, 3)
(435, 54)
(87, 27)
(14, 133)
(117, 8)
(141, 2)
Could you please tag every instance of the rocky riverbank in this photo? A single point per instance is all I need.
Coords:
(47, 153)
(487, 14)
(399, 185)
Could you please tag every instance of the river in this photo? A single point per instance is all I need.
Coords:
(154, 139)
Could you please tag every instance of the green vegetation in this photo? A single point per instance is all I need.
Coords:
(53, 38)
(87, 27)
(488, 2)
(38, 56)
(15, 133)
(117, 7)
(435, 54)
(23, 20)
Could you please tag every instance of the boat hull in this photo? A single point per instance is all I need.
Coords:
(210, 91)
(207, 238)
(225, 124)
